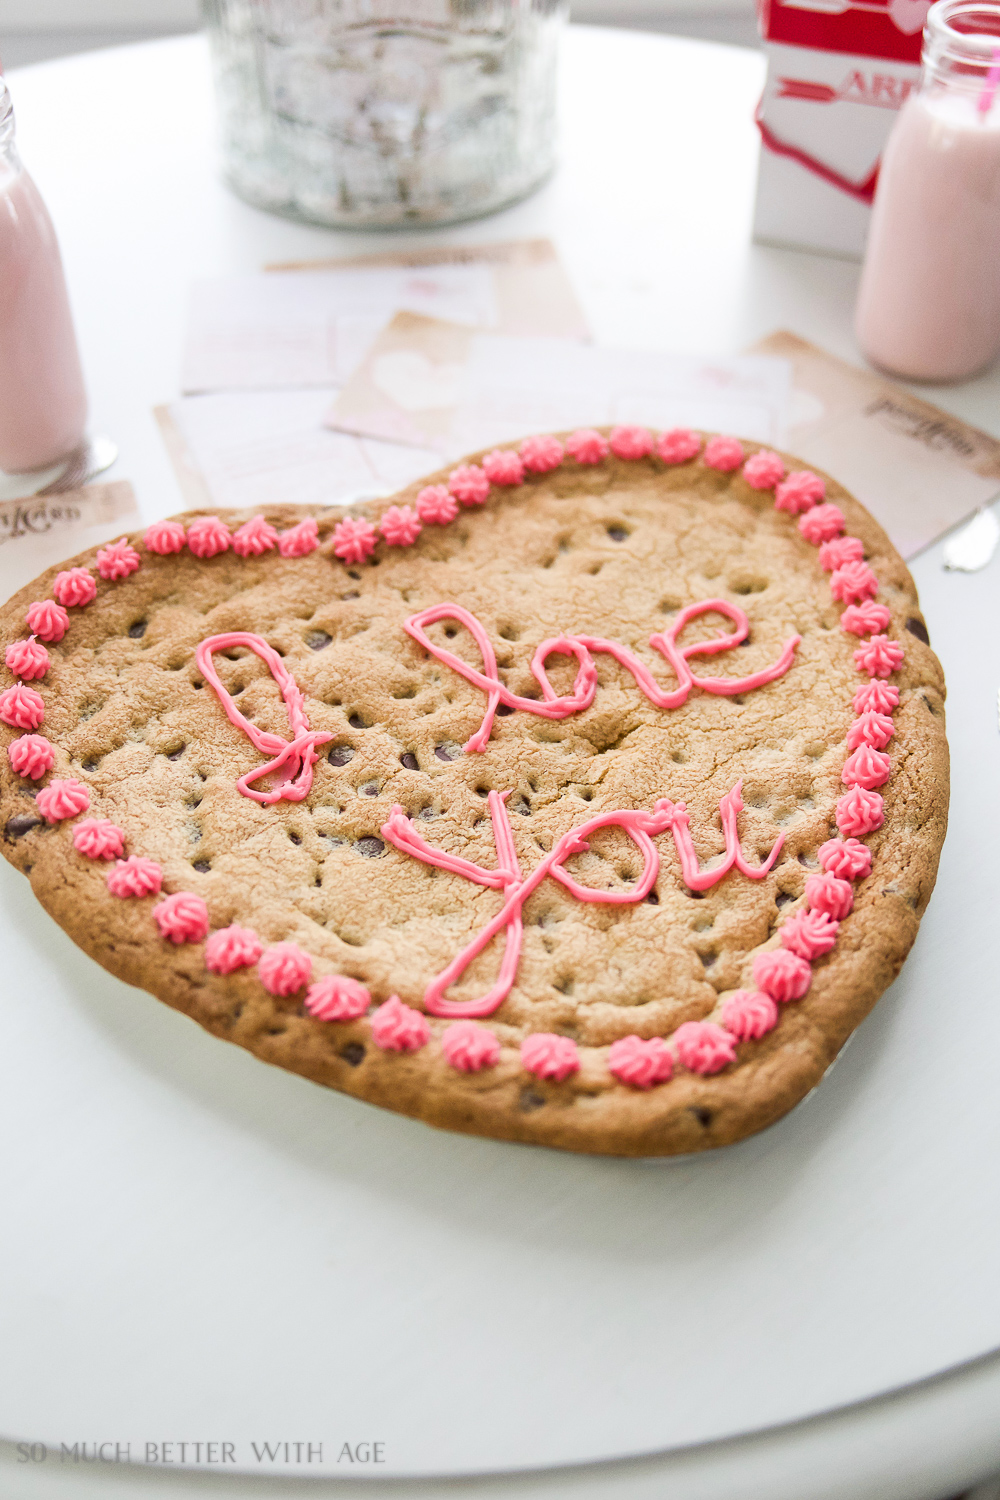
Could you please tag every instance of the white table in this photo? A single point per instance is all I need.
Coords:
(118, 143)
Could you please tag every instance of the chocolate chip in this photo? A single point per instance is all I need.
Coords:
(370, 847)
(617, 533)
(176, 754)
(529, 1100)
(445, 752)
(696, 895)
(745, 642)
(89, 765)
(653, 899)
(409, 761)
(138, 630)
(357, 722)
(783, 898)
(707, 959)
(370, 789)
(21, 824)
(703, 1116)
(505, 709)
(353, 1053)
(919, 629)
(294, 838)
(340, 755)
(202, 866)
(317, 639)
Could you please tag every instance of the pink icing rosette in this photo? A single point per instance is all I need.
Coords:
(630, 442)
(870, 728)
(547, 1055)
(400, 526)
(232, 948)
(32, 755)
(678, 446)
(353, 540)
(469, 484)
(164, 537)
(503, 466)
(800, 491)
(829, 894)
(810, 934)
(763, 470)
(541, 454)
(27, 659)
(48, 621)
(62, 799)
(724, 454)
(639, 1063)
(853, 582)
(866, 767)
(587, 446)
(879, 656)
(860, 811)
(436, 506)
(749, 1015)
(300, 540)
(254, 537)
(135, 876)
(99, 838)
(863, 618)
(822, 524)
(840, 551)
(877, 696)
(704, 1047)
(469, 1047)
(399, 1028)
(74, 587)
(117, 560)
(782, 975)
(21, 707)
(847, 860)
(182, 918)
(337, 998)
(284, 969)
(208, 536)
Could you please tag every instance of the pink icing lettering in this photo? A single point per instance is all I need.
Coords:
(879, 656)
(208, 536)
(284, 969)
(164, 537)
(27, 659)
(469, 484)
(679, 445)
(840, 551)
(639, 1063)
(337, 998)
(117, 560)
(541, 454)
(860, 811)
(31, 755)
(503, 466)
(74, 586)
(21, 707)
(704, 1047)
(470, 1047)
(232, 948)
(810, 934)
(866, 767)
(300, 540)
(399, 1028)
(99, 838)
(587, 446)
(870, 729)
(782, 974)
(724, 454)
(749, 1015)
(828, 894)
(800, 491)
(853, 582)
(547, 1055)
(847, 860)
(763, 470)
(254, 537)
(822, 524)
(182, 917)
(436, 506)
(353, 540)
(877, 696)
(862, 619)
(62, 799)
(630, 442)
(135, 876)
(400, 526)
(47, 620)
(293, 760)
(581, 646)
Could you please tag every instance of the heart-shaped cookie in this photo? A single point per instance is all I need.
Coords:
(588, 794)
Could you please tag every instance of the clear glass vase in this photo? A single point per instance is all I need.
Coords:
(385, 113)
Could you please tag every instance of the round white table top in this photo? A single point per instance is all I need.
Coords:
(880, 1238)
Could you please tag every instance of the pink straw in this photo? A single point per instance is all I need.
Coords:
(985, 101)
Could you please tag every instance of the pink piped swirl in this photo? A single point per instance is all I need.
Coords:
(587, 446)
(469, 1047)
(503, 466)
(232, 948)
(866, 767)
(704, 1047)
(810, 934)
(284, 969)
(547, 1055)
(300, 540)
(782, 974)
(749, 1015)
(135, 876)
(399, 1028)
(800, 491)
(21, 707)
(354, 540)
(864, 618)
(49, 621)
(860, 812)
(870, 728)
(182, 917)
(876, 696)
(879, 656)
(74, 587)
(853, 582)
(631, 442)
(829, 894)
(27, 659)
(117, 560)
(436, 506)
(822, 524)
(336, 997)
(639, 1063)
(62, 799)
(763, 470)
(724, 454)
(99, 838)
(208, 536)
(164, 537)
(31, 755)
(541, 454)
(847, 860)
(469, 484)
(678, 446)
(254, 537)
(400, 526)
(839, 552)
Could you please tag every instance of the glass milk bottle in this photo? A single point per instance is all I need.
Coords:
(929, 303)
(43, 404)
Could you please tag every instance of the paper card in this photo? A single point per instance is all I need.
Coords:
(46, 529)
(428, 382)
(918, 469)
(310, 325)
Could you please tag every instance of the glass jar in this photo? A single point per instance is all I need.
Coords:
(366, 114)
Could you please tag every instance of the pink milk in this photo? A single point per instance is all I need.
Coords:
(43, 404)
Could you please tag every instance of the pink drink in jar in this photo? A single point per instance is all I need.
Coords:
(43, 404)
